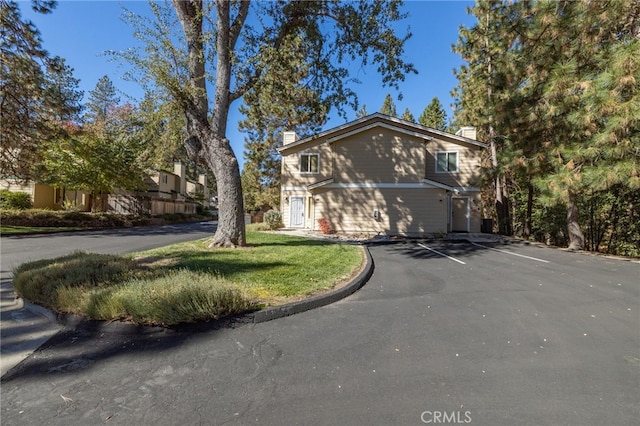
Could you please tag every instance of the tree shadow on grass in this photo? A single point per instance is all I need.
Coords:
(297, 242)
(223, 264)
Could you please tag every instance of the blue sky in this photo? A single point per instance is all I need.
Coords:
(81, 31)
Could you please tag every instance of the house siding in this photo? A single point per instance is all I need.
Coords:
(290, 168)
(380, 164)
(468, 173)
(379, 155)
(403, 211)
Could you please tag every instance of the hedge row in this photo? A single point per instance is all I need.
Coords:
(51, 218)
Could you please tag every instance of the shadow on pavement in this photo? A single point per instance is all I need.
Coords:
(177, 228)
(84, 346)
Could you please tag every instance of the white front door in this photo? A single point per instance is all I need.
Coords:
(460, 214)
(296, 210)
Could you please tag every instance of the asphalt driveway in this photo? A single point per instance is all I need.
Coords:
(451, 333)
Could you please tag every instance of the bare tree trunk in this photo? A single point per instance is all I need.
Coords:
(207, 135)
(220, 158)
(576, 238)
(502, 209)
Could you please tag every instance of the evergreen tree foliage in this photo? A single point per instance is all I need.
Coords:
(38, 93)
(280, 102)
(434, 115)
(407, 116)
(554, 86)
(101, 99)
(388, 106)
(362, 112)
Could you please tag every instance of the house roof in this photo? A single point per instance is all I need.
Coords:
(379, 120)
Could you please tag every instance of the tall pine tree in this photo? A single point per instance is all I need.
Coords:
(407, 116)
(553, 86)
(38, 93)
(102, 99)
(388, 106)
(434, 115)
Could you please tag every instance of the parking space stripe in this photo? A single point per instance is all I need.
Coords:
(442, 254)
(511, 253)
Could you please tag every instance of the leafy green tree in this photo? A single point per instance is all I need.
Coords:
(99, 157)
(217, 45)
(388, 106)
(37, 92)
(434, 115)
(407, 116)
(102, 99)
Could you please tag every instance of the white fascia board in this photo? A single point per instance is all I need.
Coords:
(420, 131)
(466, 189)
(383, 125)
(319, 184)
(381, 185)
(426, 183)
(438, 184)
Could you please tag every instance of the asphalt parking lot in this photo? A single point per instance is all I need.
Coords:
(443, 333)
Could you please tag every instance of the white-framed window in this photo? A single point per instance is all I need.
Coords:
(165, 178)
(309, 163)
(447, 162)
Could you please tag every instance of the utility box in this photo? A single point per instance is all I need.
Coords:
(487, 225)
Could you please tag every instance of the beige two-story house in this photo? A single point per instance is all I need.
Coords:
(382, 175)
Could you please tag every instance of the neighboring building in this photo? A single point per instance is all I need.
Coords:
(383, 175)
(166, 192)
(48, 197)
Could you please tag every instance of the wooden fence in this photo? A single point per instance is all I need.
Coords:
(142, 205)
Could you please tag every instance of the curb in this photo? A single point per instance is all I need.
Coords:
(293, 308)
(267, 314)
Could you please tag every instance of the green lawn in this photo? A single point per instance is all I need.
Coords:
(188, 282)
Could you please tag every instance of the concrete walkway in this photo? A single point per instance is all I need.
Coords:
(23, 329)
(457, 236)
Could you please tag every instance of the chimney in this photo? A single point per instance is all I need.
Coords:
(202, 180)
(289, 137)
(180, 170)
(467, 132)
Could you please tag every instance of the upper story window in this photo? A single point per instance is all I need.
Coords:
(165, 178)
(309, 163)
(446, 162)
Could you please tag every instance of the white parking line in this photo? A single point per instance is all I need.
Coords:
(509, 252)
(442, 254)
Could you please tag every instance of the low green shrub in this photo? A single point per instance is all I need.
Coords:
(273, 219)
(15, 200)
(257, 227)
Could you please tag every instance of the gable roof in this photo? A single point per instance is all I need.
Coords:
(379, 120)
